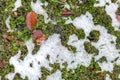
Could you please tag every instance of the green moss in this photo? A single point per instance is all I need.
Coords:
(102, 59)
(55, 67)
(116, 72)
(54, 11)
(45, 73)
(90, 49)
(71, 48)
(92, 72)
(18, 77)
(94, 36)
(117, 34)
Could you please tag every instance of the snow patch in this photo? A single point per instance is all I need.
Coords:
(68, 20)
(85, 22)
(110, 9)
(55, 76)
(67, 6)
(10, 76)
(37, 8)
(119, 76)
(7, 22)
(31, 65)
(108, 77)
(17, 4)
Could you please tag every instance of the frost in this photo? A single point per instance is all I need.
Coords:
(17, 4)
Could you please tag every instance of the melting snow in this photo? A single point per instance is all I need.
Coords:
(37, 8)
(67, 6)
(7, 22)
(61, 54)
(110, 9)
(85, 22)
(108, 77)
(119, 76)
(31, 65)
(55, 76)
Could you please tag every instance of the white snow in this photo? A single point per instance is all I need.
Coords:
(7, 22)
(55, 76)
(10, 76)
(85, 22)
(17, 5)
(110, 9)
(37, 8)
(61, 54)
(68, 20)
(119, 76)
(31, 65)
(67, 6)
(108, 77)
(106, 66)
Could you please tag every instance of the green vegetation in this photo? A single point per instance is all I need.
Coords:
(21, 34)
(94, 36)
(90, 49)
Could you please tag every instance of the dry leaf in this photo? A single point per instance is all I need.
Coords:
(66, 13)
(38, 36)
(9, 38)
(15, 14)
(31, 20)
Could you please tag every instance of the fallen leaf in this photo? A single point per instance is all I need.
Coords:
(31, 20)
(66, 13)
(63, 0)
(2, 63)
(15, 14)
(38, 36)
(9, 38)
(118, 17)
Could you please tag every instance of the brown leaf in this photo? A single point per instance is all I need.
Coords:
(31, 20)
(66, 13)
(38, 36)
(9, 38)
(15, 14)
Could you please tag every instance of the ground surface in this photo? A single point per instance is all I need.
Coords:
(10, 42)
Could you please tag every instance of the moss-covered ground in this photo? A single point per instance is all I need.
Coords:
(9, 47)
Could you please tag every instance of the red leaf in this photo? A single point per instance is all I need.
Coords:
(31, 20)
(63, 0)
(2, 63)
(66, 13)
(118, 17)
(38, 36)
